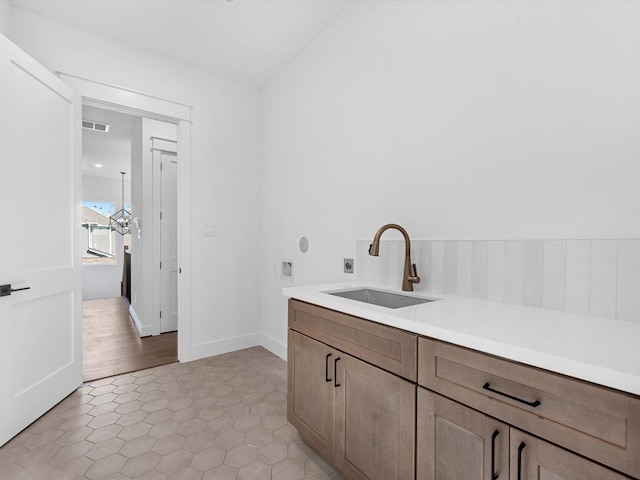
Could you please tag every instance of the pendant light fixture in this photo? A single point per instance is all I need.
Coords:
(121, 220)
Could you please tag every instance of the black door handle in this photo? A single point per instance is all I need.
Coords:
(520, 448)
(6, 290)
(335, 372)
(487, 386)
(326, 368)
(494, 475)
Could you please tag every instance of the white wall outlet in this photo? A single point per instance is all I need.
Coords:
(348, 265)
(286, 269)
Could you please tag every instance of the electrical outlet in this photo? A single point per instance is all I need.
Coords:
(348, 265)
(286, 269)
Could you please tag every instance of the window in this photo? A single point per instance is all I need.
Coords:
(98, 240)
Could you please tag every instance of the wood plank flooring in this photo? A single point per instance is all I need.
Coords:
(111, 344)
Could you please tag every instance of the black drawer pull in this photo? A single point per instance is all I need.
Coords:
(335, 372)
(486, 386)
(326, 368)
(494, 475)
(520, 448)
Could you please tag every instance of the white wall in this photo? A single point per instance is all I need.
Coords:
(102, 280)
(5, 18)
(458, 120)
(224, 168)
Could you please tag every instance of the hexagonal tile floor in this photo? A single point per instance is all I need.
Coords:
(219, 418)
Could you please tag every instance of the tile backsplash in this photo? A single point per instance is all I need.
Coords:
(592, 277)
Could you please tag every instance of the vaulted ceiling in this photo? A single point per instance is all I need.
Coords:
(245, 40)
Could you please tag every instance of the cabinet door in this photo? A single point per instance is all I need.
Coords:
(310, 400)
(535, 459)
(375, 422)
(593, 421)
(455, 442)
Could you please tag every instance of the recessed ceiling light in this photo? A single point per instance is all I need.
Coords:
(97, 165)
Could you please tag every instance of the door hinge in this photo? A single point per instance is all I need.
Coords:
(160, 166)
(160, 313)
(161, 265)
(160, 215)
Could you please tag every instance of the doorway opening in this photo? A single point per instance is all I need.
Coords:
(120, 99)
(123, 164)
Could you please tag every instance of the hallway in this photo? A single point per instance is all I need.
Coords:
(111, 345)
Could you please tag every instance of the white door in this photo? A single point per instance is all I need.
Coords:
(166, 188)
(40, 328)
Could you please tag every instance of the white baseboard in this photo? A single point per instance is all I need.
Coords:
(142, 330)
(274, 346)
(219, 347)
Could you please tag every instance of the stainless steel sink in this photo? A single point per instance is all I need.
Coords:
(381, 298)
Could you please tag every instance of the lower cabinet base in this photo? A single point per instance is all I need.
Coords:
(533, 458)
(353, 397)
(456, 442)
(358, 417)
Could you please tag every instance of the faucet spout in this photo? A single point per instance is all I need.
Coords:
(410, 275)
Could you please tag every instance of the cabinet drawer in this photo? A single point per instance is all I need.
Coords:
(594, 421)
(386, 347)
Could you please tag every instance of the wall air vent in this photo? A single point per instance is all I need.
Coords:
(98, 127)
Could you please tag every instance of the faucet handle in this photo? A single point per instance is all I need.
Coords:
(414, 278)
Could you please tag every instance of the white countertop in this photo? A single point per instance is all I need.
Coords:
(599, 350)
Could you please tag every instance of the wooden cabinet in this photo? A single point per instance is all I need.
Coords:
(455, 442)
(534, 459)
(375, 422)
(597, 422)
(357, 416)
(389, 348)
(310, 397)
(352, 395)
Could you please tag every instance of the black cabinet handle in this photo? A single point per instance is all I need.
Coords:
(326, 368)
(520, 448)
(494, 475)
(335, 372)
(487, 386)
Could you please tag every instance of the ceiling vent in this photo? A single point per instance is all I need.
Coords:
(98, 127)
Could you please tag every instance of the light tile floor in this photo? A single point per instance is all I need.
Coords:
(219, 418)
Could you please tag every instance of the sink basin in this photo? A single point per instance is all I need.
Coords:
(381, 298)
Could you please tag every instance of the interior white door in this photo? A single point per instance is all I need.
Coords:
(40, 328)
(168, 171)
